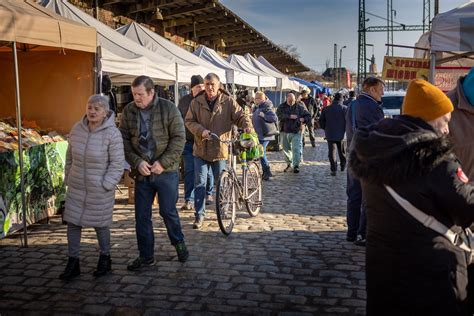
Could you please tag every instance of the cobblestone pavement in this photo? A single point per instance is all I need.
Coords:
(292, 259)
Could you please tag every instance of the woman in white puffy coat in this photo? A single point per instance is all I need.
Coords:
(94, 166)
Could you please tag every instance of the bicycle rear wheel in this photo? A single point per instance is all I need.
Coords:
(253, 201)
(226, 202)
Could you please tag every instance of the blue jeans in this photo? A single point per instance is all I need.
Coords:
(264, 160)
(166, 186)
(291, 143)
(202, 168)
(189, 174)
(356, 219)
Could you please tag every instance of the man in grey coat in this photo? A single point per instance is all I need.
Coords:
(333, 121)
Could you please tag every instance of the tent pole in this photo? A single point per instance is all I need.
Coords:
(432, 67)
(258, 82)
(281, 95)
(20, 144)
(176, 92)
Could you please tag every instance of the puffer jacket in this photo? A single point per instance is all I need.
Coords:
(269, 117)
(94, 166)
(461, 128)
(411, 269)
(226, 113)
(167, 130)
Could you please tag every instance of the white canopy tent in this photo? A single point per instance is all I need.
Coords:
(283, 82)
(453, 32)
(122, 58)
(264, 80)
(233, 74)
(188, 63)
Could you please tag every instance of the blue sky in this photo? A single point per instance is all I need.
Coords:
(313, 26)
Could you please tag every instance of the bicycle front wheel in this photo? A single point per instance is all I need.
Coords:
(253, 198)
(226, 202)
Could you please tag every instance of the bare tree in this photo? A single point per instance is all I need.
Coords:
(291, 49)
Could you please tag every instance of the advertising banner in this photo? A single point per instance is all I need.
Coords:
(405, 68)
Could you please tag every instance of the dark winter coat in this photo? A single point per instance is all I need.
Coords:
(288, 125)
(333, 121)
(364, 111)
(311, 105)
(259, 122)
(167, 128)
(411, 269)
(183, 107)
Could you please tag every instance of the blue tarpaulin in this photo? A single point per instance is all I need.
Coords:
(315, 87)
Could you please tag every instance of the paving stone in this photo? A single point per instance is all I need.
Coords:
(292, 259)
(335, 292)
(96, 309)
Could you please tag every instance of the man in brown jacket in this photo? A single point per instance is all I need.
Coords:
(212, 111)
(461, 126)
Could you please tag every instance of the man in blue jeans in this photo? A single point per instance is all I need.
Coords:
(153, 137)
(363, 111)
(197, 85)
(211, 111)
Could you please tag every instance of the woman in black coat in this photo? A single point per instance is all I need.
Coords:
(411, 269)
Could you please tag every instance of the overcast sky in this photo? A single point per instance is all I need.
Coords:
(313, 26)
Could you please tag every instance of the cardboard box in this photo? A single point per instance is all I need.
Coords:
(127, 181)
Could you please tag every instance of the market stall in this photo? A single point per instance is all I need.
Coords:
(264, 80)
(452, 41)
(47, 67)
(188, 64)
(234, 75)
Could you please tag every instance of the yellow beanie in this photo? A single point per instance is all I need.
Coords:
(425, 101)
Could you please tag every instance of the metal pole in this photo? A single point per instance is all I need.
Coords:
(258, 82)
(432, 67)
(176, 90)
(20, 143)
(340, 68)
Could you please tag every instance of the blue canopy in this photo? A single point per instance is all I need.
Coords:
(315, 87)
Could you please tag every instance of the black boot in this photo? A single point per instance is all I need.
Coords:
(103, 266)
(270, 174)
(72, 269)
(265, 175)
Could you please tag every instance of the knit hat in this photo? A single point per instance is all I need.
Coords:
(425, 101)
(468, 86)
(195, 80)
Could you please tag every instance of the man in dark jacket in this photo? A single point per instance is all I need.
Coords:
(293, 117)
(197, 85)
(153, 140)
(362, 112)
(312, 108)
(333, 121)
(352, 97)
(410, 268)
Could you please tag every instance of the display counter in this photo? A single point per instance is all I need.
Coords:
(44, 184)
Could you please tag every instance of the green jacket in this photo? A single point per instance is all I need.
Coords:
(167, 130)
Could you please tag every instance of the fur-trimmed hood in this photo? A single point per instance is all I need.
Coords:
(395, 150)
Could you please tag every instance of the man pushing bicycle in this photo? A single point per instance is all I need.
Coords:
(212, 110)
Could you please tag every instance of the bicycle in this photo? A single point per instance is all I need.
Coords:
(231, 191)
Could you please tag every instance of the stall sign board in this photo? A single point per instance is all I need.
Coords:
(447, 77)
(405, 68)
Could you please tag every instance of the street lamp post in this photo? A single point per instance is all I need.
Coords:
(340, 67)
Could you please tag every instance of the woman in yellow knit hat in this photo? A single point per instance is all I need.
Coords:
(406, 163)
